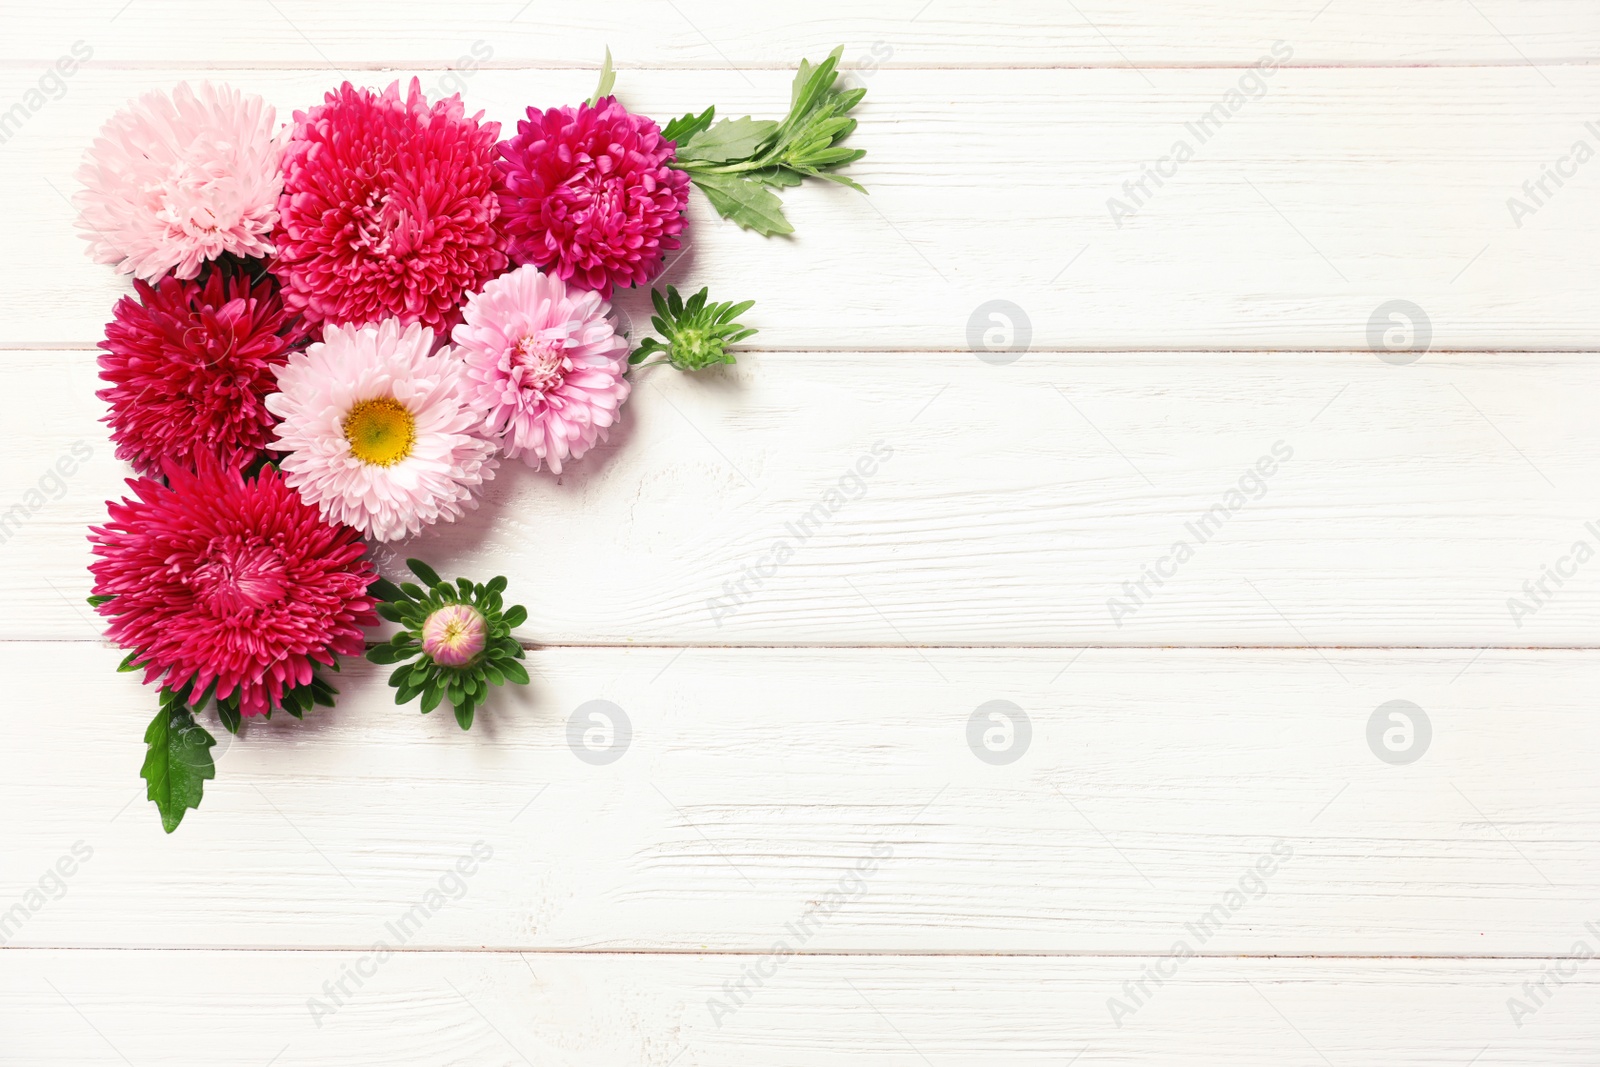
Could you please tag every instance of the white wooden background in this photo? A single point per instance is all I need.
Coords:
(823, 722)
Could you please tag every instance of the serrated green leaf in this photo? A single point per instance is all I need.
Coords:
(177, 762)
(751, 205)
(775, 177)
(681, 129)
(730, 139)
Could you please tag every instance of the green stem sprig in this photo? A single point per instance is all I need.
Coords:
(696, 333)
(738, 162)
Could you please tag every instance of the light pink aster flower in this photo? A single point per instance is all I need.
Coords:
(376, 432)
(544, 366)
(173, 181)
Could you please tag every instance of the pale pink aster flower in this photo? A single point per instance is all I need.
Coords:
(173, 181)
(544, 366)
(376, 432)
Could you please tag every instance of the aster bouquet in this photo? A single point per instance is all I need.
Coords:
(338, 328)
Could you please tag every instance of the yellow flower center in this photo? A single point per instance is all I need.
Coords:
(380, 431)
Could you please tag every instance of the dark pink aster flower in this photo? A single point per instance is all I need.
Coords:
(214, 579)
(586, 195)
(388, 209)
(190, 367)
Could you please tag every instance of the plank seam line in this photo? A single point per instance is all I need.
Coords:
(404, 65)
(92, 348)
(834, 953)
(532, 646)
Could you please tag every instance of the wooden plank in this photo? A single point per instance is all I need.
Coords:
(1017, 505)
(1299, 216)
(251, 1008)
(1229, 798)
(722, 33)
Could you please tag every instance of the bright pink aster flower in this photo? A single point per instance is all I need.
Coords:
(216, 579)
(586, 194)
(388, 209)
(173, 181)
(544, 364)
(190, 367)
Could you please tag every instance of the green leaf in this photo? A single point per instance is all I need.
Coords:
(464, 715)
(391, 611)
(430, 698)
(730, 139)
(128, 663)
(384, 589)
(428, 575)
(608, 78)
(389, 654)
(680, 130)
(747, 203)
(229, 717)
(177, 762)
(514, 671)
(776, 177)
(101, 598)
(516, 616)
(497, 584)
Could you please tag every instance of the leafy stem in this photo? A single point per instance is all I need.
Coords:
(737, 163)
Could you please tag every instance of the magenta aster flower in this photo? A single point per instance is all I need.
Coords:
(586, 194)
(388, 209)
(173, 181)
(214, 579)
(190, 367)
(543, 364)
(376, 432)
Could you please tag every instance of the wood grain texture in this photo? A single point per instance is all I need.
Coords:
(494, 1010)
(806, 734)
(1224, 798)
(1299, 215)
(1017, 504)
(720, 34)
